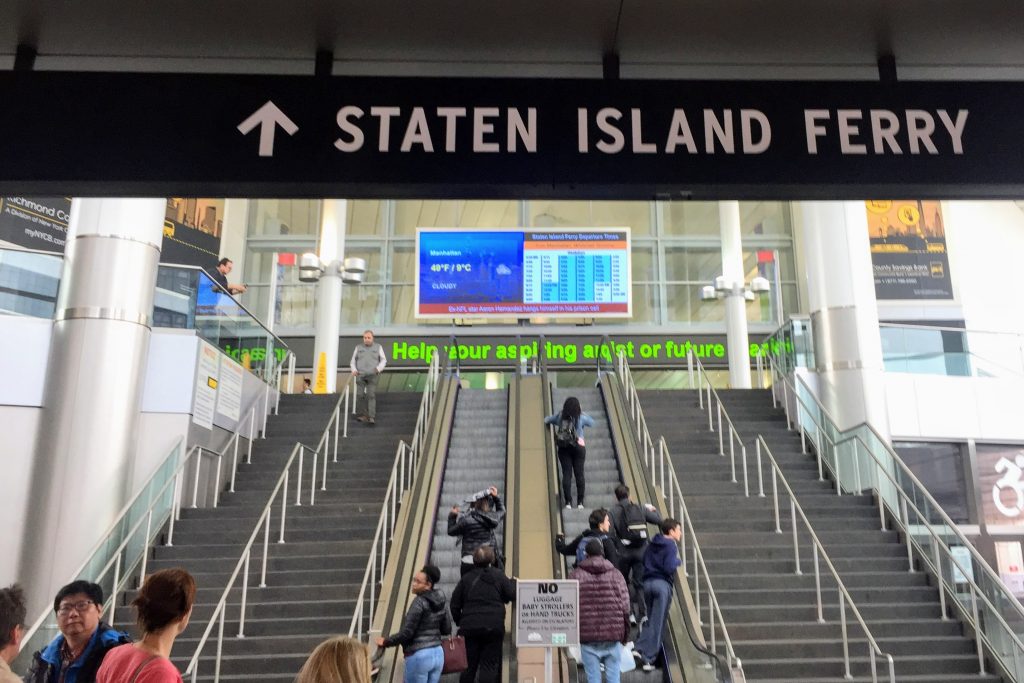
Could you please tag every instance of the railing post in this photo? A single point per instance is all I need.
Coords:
(266, 548)
(195, 483)
(337, 419)
(775, 500)
(856, 467)
(216, 480)
(113, 590)
(234, 461)
(796, 543)
(846, 638)
(323, 477)
(220, 645)
(245, 595)
(284, 505)
(266, 410)
(689, 366)
(977, 632)
(298, 479)
(785, 403)
(721, 442)
(175, 508)
(760, 475)
(345, 430)
(941, 586)
(312, 476)
(906, 529)
(746, 483)
(817, 584)
(145, 545)
(252, 424)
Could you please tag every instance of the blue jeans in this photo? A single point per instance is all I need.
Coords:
(424, 666)
(657, 597)
(596, 654)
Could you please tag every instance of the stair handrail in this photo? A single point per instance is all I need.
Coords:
(407, 458)
(323, 448)
(795, 510)
(671, 493)
(154, 521)
(901, 515)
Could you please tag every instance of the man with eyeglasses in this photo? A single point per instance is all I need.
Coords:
(12, 630)
(76, 654)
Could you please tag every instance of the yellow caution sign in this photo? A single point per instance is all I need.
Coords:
(320, 387)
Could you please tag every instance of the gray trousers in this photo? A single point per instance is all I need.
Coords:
(367, 384)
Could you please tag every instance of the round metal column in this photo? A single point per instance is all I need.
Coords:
(333, 224)
(735, 304)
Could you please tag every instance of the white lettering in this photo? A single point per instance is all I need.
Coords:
(417, 133)
(920, 126)
(956, 129)
(884, 126)
(679, 134)
(450, 115)
(384, 114)
(748, 116)
(354, 131)
(722, 130)
(582, 131)
(618, 140)
(527, 132)
(639, 146)
(849, 130)
(482, 127)
(814, 131)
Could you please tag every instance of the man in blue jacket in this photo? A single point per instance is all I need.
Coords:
(76, 654)
(661, 560)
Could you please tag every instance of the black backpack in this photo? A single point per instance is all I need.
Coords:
(633, 527)
(565, 433)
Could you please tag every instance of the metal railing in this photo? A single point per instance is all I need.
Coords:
(282, 489)
(123, 547)
(988, 607)
(673, 494)
(407, 458)
(820, 554)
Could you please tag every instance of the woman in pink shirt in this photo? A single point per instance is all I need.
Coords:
(164, 605)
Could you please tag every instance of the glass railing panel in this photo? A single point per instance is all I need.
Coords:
(29, 281)
(126, 539)
(951, 352)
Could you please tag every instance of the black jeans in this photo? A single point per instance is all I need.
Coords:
(483, 655)
(571, 459)
(631, 564)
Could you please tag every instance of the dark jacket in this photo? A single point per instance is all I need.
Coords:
(45, 666)
(479, 600)
(604, 601)
(661, 559)
(611, 553)
(476, 527)
(424, 624)
(617, 513)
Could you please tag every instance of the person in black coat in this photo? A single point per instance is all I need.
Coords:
(478, 607)
(600, 524)
(476, 527)
(424, 624)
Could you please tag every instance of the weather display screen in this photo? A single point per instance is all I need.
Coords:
(521, 273)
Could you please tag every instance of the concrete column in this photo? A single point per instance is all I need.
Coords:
(735, 304)
(844, 313)
(333, 224)
(85, 447)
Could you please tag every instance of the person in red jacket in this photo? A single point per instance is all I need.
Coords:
(604, 613)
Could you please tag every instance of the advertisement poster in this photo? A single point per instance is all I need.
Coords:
(1001, 483)
(35, 222)
(908, 249)
(206, 385)
(229, 389)
(192, 230)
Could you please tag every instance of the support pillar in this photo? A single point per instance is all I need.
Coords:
(844, 313)
(88, 434)
(333, 225)
(737, 340)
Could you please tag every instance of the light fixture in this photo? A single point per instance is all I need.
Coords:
(708, 293)
(309, 268)
(760, 285)
(721, 287)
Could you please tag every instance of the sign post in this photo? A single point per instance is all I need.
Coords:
(547, 616)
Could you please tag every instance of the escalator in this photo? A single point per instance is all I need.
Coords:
(609, 461)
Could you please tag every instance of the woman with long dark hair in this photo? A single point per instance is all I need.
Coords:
(572, 448)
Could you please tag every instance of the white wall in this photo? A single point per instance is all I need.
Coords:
(16, 449)
(955, 408)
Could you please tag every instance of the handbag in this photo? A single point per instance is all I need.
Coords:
(455, 655)
(626, 660)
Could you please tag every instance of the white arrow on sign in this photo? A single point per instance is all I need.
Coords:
(268, 117)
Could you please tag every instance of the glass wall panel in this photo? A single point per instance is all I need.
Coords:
(454, 213)
(644, 262)
(403, 262)
(276, 217)
(684, 305)
(362, 305)
(692, 264)
(691, 218)
(402, 299)
(372, 255)
(367, 217)
(765, 218)
(584, 214)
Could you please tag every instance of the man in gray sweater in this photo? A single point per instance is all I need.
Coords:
(368, 362)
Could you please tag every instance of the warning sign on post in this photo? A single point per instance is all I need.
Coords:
(547, 613)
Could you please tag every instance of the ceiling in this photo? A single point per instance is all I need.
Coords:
(654, 38)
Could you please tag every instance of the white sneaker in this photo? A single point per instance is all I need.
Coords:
(632, 620)
(648, 667)
(568, 506)
(580, 506)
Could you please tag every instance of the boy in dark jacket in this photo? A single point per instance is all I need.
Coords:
(631, 542)
(604, 613)
(476, 527)
(661, 560)
(599, 523)
(478, 607)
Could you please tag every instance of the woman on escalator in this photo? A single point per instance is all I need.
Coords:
(424, 624)
(572, 449)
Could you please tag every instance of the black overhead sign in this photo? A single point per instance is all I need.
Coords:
(181, 135)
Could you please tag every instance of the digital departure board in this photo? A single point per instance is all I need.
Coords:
(501, 273)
